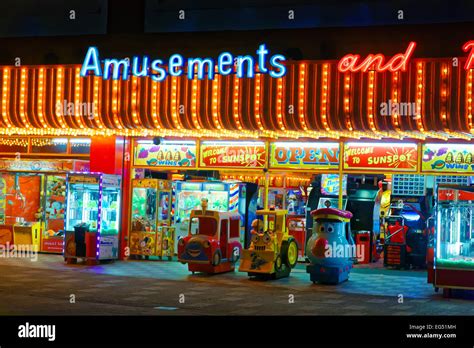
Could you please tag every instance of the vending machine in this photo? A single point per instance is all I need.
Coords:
(92, 217)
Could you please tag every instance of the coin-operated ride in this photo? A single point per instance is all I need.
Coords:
(212, 244)
(328, 249)
(272, 252)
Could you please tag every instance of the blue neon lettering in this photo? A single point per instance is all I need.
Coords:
(200, 67)
(262, 52)
(229, 60)
(155, 66)
(274, 61)
(250, 66)
(144, 68)
(175, 65)
(92, 54)
(116, 64)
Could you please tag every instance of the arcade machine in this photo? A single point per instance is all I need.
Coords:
(454, 239)
(151, 233)
(406, 237)
(19, 205)
(92, 217)
(363, 201)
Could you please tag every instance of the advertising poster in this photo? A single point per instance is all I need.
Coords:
(165, 155)
(396, 157)
(249, 155)
(448, 158)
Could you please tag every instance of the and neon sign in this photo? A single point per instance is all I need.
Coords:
(378, 62)
(399, 62)
(177, 65)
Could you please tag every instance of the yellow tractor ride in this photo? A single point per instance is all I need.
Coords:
(272, 252)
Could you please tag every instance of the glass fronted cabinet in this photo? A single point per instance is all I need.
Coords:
(151, 233)
(92, 219)
(454, 237)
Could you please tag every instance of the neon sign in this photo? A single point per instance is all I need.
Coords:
(177, 65)
(350, 62)
(469, 46)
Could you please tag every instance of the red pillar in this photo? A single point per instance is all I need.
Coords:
(107, 154)
(112, 155)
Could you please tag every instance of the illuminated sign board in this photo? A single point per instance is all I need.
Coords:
(167, 154)
(393, 157)
(293, 155)
(177, 65)
(233, 154)
(448, 158)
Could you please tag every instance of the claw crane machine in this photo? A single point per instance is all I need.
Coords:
(92, 217)
(454, 239)
(151, 233)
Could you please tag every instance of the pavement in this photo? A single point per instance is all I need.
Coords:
(48, 286)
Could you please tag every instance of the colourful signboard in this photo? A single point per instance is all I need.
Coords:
(304, 155)
(235, 154)
(395, 157)
(169, 154)
(448, 158)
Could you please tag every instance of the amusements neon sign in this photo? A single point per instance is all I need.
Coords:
(177, 65)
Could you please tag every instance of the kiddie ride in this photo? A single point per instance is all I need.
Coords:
(406, 238)
(328, 249)
(212, 244)
(272, 252)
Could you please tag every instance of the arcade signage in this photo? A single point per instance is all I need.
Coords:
(177, 65)
(235, 154)
(399, 62)
(168, 154)
(304, 155)
(448, 158)
(392, 157)
(32, 165)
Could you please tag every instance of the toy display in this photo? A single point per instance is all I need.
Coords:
(151, 233)
(454, 240)
(272, 252)
(212, 244)
(221, 196)
(92, 217)
(327, 248)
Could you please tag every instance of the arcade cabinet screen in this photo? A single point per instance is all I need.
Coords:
(330, 185)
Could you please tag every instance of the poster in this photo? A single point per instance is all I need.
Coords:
(304, 155)
(220, 154)
(448, 158)
(395, 157)
(165, 155)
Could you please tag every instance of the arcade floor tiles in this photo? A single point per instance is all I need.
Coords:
(158, 288)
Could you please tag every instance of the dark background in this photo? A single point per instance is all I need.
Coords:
(40, 31)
